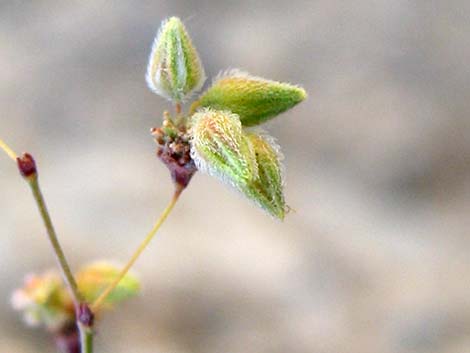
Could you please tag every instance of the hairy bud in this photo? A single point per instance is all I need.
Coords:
(174, 70)
(219, 147)
(252, 98)
(266, 190)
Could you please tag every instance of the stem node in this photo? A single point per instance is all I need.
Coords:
(27, 166)
(85, 316)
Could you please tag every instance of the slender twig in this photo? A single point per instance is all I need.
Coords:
(59, 253)
(86, 339)
(10, 153)
(99, 301)
(178, 108)
(27, 168)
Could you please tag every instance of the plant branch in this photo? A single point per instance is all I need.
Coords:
(99, 301)
(84, 316)
(178, 108)
(86, 339)
(59, 253)
(10, 153)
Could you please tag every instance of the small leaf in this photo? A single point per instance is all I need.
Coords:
(266, 190)
(174, 70)
(219, 148)
(254, 99)
(94, 278)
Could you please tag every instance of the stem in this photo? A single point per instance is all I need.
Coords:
(99, 301)
(27, 167)
(10, 153)
(59, 253)
(86, 339)
(178, 108)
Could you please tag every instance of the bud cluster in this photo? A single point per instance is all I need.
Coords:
(174, 151)
(214, 137)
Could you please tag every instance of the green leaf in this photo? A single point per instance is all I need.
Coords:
(94, 278)
(254, 99)
(266, 190)
(174, 70)
(219, 148)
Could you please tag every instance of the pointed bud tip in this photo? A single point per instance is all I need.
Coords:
(302, 93)
(172, 22)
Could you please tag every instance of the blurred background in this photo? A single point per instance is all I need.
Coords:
(375, 257)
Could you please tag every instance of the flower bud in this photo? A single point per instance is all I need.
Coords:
(219, 148)
(174, 70)
(266, 190)
(253, 99)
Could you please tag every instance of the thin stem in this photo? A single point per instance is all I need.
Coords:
(86, 339)
(178, 108)
(59, 253)
(27, 168)
(99, 301)
(10, 153)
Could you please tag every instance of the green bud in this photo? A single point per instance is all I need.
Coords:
(254, 99)
(219, 148)
(266, 190)
(93, 279)
(246, 160)
(174, 70)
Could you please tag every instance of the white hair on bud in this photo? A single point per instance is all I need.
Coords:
(239, 73)
(206, 166)
(272, 141)
(153, 78)
(234, 72)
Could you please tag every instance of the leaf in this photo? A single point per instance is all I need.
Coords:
(219, 148)
(174, 70)
(94, 278)
(253, 98)
(266, 190)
